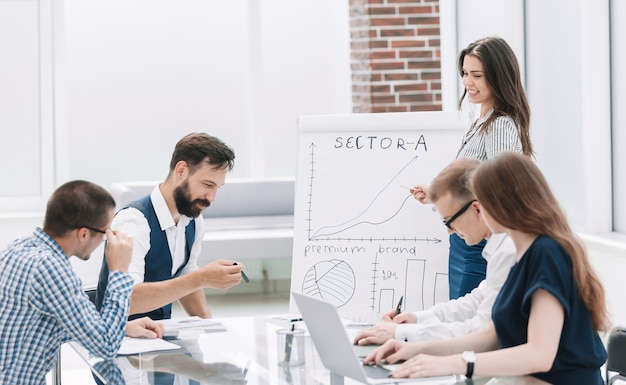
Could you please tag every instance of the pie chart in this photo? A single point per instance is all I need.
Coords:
(332, 281)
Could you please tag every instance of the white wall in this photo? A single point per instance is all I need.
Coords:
(139, 75)
(26, 104)
(19, 96)
(569, 89)
(473, 23)
(609, 259)
(546, 91)
(306, 71)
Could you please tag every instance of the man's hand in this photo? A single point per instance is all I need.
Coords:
(403, 318)
(420, 193)
(119, 250)
(377, 334)
(392, 351)
(221, 274)
(144, 327)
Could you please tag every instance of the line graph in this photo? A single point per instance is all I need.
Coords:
(355, 221)
(327, 231)
(386, 204)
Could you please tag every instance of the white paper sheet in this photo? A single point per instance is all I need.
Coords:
(132, 345)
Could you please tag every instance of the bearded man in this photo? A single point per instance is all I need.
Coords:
(167, 228)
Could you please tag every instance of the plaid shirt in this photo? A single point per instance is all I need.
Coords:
(42, 305)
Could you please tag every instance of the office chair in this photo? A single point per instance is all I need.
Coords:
(616, 355)
(56, 370)
(91, 293)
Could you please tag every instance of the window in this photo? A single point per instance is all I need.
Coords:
(26, 118)
(618, 113)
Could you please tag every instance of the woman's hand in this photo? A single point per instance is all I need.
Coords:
(378, 334)
(424, 365)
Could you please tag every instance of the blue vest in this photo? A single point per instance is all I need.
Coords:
(158, 260)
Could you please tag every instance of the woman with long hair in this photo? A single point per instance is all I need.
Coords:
(492, 79)
(546, 318)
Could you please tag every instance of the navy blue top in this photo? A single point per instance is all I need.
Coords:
(546, 265)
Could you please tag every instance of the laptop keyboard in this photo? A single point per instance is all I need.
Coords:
(375, 371)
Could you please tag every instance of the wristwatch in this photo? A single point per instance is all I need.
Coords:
(470, 359)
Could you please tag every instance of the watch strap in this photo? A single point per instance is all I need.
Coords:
(470, 369)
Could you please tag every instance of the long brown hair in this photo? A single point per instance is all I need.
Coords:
(515, 193)
(501, 70)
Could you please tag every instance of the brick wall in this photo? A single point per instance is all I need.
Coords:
(395, 55)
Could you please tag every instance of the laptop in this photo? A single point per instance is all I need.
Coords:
(335, 348)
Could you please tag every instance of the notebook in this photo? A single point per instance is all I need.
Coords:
(337, 351)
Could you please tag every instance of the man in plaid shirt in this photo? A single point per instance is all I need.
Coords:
(42, 302)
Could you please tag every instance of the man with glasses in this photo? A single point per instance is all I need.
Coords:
(42, 302)
(451, 194)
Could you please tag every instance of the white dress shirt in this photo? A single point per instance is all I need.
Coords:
(133, 222)
(469, 313)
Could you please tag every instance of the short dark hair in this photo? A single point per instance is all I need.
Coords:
(76, 204)
(198, 148)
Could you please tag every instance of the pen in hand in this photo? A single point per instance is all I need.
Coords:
(399, 307)
(243, 275)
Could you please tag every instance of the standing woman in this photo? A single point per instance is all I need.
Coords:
(546, 318)
(491, 77)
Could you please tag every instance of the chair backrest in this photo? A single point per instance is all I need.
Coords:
(237, 198)
(616, 355)
(92, 295)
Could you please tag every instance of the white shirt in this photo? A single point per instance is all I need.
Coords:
(469, 313)
(133, 222)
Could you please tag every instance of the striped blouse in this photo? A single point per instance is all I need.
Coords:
(502, 135)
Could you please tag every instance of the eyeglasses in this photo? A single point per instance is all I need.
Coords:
(463, 209)
(93, 229)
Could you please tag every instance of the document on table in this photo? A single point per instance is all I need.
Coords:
(207, 325)
(132, 345)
